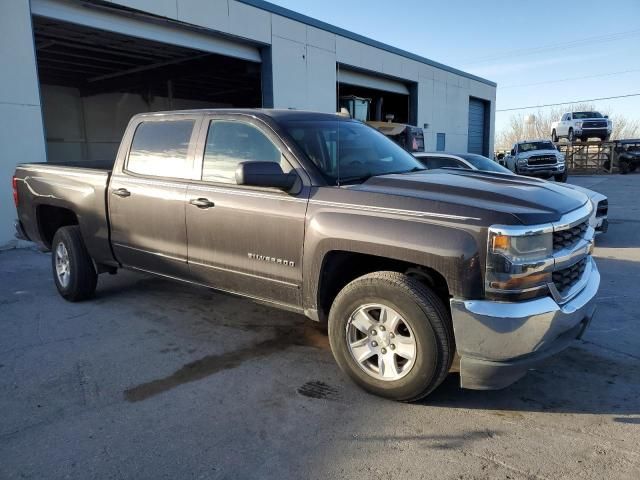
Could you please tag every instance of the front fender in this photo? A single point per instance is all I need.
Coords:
(450, 249)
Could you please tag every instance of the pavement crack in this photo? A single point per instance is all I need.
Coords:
(615, 350)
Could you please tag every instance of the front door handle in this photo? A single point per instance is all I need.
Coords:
(202, 203)
(121, 192)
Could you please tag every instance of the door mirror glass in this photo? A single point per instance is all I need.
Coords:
(264, 174)
(606, 116)
(513, 151)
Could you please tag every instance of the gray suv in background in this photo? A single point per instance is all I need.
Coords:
(537, 158)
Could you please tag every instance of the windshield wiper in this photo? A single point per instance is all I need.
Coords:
(355, 179)
(414, 169)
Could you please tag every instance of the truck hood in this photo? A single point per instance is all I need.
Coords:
(531, 201)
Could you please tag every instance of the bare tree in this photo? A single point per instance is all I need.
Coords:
(538, 125)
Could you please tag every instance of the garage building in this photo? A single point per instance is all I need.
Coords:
(75, 71)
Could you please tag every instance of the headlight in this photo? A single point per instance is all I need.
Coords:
(518, 264)
(522, 161)
(578, 124)
(560, 158)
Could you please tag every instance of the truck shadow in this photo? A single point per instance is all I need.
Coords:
(589, 377)
(579, 380)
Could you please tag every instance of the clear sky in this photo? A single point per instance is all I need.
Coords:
(526, 47)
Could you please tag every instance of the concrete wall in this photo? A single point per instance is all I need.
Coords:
(21, 134)
(90, 128)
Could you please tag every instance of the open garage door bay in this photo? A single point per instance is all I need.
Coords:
(93, 80)
(388, 96)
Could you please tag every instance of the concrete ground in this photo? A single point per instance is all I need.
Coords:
(154, 379)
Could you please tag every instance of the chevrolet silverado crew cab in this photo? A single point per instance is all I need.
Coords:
(582, 125)
(325, 216)
(537, 158)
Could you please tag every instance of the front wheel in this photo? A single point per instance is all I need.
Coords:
(570, 135)
(561, 177)
(554, 136)
(73, 271)
(391, 335)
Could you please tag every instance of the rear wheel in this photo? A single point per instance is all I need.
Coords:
(73, 271)
(625, 167)
(554, 136)
(605, 138)
(391, 335)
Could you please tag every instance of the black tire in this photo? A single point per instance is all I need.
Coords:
(420, 309)
(82, 277)
(562, 177)
(570, 135)
(632, 167)
(624, 167)
(605, 139)
(554, 136)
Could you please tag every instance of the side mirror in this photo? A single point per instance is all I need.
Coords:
(513, 152)
(606, 116)
(264, 174)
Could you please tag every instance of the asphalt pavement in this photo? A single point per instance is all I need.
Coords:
(153, 379)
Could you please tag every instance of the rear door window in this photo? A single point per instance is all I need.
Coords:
(161, 149)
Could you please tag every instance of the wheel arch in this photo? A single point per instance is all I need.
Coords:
(52, 217)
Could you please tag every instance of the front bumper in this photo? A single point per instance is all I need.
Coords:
(499, 341)
(541, 170)
(592, 132)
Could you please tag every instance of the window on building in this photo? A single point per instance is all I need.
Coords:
(440, 142)
(230, 143)
(160, 148)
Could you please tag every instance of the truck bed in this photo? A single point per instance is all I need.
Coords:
(76, 191)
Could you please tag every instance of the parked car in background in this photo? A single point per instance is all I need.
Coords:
(628, 158)
(325, 216)
(432, 160)
(537, 158)
(469, 161)
(583, 126)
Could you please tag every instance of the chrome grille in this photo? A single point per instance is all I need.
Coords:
(542, 160)
(594, 124)
(570, 236)
(567, 277)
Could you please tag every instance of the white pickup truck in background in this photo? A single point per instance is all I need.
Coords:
(582, 125)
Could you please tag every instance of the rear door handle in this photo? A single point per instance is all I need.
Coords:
(121, 192)
(202, 203)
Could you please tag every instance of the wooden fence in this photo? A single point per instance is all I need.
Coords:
(593, 157)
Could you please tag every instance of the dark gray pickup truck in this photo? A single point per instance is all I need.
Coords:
(416, 272)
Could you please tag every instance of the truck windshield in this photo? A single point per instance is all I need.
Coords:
(530, 146)
(349, 152)
(582, 115)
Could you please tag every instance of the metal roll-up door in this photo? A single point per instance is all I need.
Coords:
(361, 79)
(477, 127)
